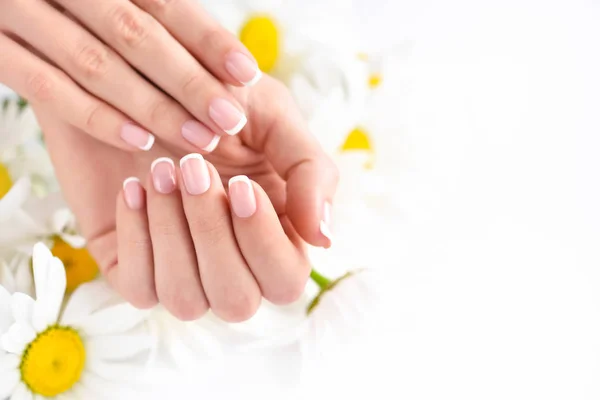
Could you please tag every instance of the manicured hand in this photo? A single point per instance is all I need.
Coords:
(127, 72)
(182, 232)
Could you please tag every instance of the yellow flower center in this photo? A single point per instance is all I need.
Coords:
(79, 264)
(53, 361)
(261, 37)
(5, 181)
(357, 139)
(375, 80)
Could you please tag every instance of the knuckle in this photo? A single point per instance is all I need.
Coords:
(192, 84)
(213, 39)
(288, 292)
(160, 110)
(130, 28)
(211, 230)
(41, 87)
(184, 304)
(166, 230)
(142, 298)
(157, 5)
(93, 115)
(92, 61)
(238, 307)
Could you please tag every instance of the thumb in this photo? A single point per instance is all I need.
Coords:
(310, 174)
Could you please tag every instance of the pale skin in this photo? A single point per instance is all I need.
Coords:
(188, 249)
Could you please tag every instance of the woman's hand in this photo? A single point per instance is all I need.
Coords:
(179, 236)
(120, 69)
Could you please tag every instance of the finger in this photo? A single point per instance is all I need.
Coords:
(230, 287)
(280, 268)
(216, 48)
(135, 270)
(103, 73)
(310, 174)
(149, 48)
(43, 84)
(176, 275)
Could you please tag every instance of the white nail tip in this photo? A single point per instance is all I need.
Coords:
(159, 160)
(195, 156)
(213, 144)
(130, 179)
(236, 129)
(326, 231)
(149, 144)
(240, 178)
(254, 80)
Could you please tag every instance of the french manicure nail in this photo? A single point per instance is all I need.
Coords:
(137, 136)
(227, 116)
(243, 68)
(241, 194)
(325, 225)
(163, 175)
(200, 136)
(134, 193)
(196, 176)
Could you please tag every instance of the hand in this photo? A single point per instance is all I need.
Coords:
(120, 69)
(186, 248)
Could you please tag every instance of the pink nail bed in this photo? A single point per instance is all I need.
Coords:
(196, 176)
(133, 193)
(163, 175)
(227, 116)
(137, 137)
(241, 195)
(200, 136)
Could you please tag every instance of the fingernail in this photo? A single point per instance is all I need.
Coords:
(325, 225)
(227, 116)
(134, 193)
(243, 68)
(163, 175)
(242, 197)
(137, 137)
(200, 136)
(194, 170)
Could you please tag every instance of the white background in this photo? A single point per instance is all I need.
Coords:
(497, 258)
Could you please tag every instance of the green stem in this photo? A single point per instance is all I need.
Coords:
(319, 279)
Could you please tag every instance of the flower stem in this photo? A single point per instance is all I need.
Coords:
(319, 279)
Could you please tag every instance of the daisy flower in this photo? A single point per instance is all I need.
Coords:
(15, 274)
(22, 152)
(80, 352)
(278, 32)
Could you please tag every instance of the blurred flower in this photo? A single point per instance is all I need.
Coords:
(15, 274)
(278, 32)
(22, 151)
(96, 342)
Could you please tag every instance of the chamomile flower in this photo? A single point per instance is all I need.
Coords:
(278, 32)
(80, 352)
(22, 152)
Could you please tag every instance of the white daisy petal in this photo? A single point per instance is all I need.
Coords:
(98, 387)
(17, 338)
(8, 362)
(14, 199)
(9, 380)
(22, 308)
(117, 347)
(50, 287)
(6, 278)
(115, 371)
(6, 318)
(87, 299)
(75, 241)
(111, 320)
(22, 393)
